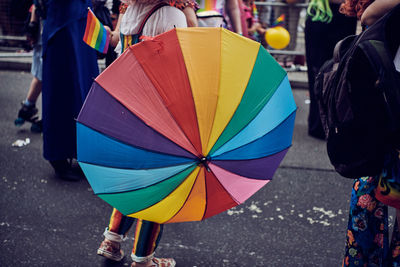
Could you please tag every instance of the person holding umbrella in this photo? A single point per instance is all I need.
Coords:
(148, 18)
(157, 133)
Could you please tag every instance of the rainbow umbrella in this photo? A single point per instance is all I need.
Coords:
(185, 125)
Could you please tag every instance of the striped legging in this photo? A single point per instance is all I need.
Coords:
(147, 234)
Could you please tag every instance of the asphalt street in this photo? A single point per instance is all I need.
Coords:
(298, 219)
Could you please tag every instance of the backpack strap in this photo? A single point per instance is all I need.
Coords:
(151, 12)
(377, 55)
(127, 40)
(388, 79)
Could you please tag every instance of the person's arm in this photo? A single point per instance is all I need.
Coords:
(114, 35)
(190, 15)
(377, 9)
(33, 28)
(232, 9)
(174, 18)
(398, 218)
(34, 17)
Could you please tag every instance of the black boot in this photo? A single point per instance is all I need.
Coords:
(65, 171)
(29, 113)
(26, 113)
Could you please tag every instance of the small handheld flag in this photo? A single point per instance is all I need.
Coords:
(96, 36)
(279, 21)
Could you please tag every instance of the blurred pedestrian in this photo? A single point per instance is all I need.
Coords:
(69, 67)
(28, 111)
(158, 17)
(320, 40)
(255, 30)
(368, 231)
(218, 13)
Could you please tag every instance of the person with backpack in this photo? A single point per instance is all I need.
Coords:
(321, 34)
(368, 231)
(140, 18)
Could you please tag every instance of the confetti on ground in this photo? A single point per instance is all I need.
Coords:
(20, 143)
(234, 211)
(328, 213)
(253, 207)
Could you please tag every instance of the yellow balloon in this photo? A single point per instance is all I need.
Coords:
(277, 37)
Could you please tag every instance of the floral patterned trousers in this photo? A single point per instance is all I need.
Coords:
(367, 231)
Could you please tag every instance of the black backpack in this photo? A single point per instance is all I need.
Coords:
(358, 93)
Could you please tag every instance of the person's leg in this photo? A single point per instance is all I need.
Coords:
(398, 219)
(28, 110)
(114, 234)
(34, 90)
(36, 69)
(119, 223)
(395, 243)
(367, 232)
(147, 237)
(315, 49)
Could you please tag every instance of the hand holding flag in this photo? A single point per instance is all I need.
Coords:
(96, 35)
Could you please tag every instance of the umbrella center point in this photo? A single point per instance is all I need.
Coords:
(204, 161)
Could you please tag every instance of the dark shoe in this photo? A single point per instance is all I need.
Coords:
(26, 113)
(64, 170)
(77, 169)
(37, 127)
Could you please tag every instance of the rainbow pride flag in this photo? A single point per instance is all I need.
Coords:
(96, 35)
(279, 21)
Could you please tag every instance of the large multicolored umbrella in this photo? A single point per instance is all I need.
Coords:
(185, 125)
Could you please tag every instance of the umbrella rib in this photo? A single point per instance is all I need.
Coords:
(164, 197)
(294, 111)
(216, 178)
(156, 86)
(272, 154)
(133, 190)
(139, 147)
(190, 141)
(187, 197)
(245, 125)
(139, 118)
(219, 86)
(216, 141)
(121, 168)
(205, 186)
